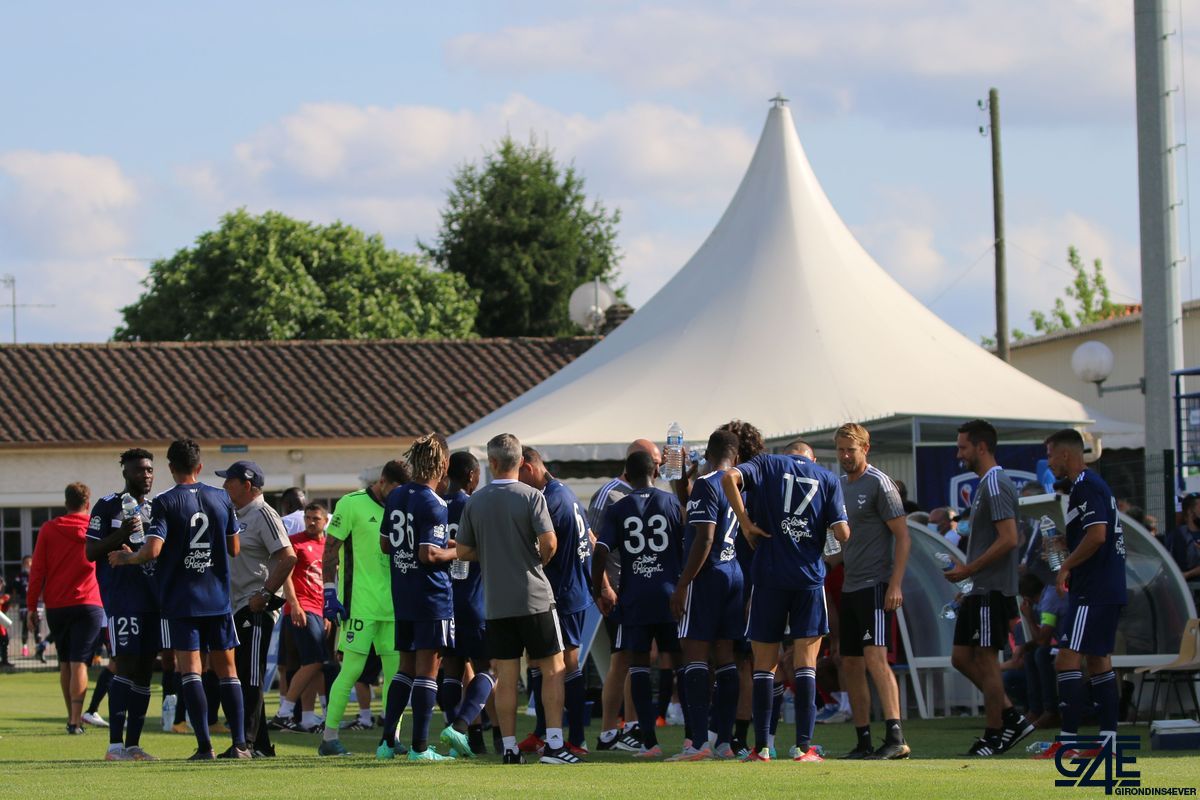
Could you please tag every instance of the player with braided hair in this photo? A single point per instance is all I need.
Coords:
(415, 538)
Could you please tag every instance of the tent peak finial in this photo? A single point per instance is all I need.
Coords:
(778, 101)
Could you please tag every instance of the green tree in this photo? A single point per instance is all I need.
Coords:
(520, 229)
(273, 277)
(1093, 301)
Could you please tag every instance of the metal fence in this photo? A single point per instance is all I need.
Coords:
(28, 649)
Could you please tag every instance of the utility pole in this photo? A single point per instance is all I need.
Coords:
(993, 130)
(1162, 315)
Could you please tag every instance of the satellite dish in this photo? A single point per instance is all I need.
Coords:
(588, 304)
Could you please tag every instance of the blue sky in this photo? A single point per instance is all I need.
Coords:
(130, 128)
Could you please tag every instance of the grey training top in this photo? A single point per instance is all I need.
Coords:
(604, 499)
(995, 499)
(503, 521)
(262, 534)
(871, 501)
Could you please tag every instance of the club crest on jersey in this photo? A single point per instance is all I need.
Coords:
(646, 566)
(965, 486)
(796, 528)
(862, 501)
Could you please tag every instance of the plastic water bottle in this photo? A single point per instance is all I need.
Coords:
(949, 611)
(966, 584)
(131, 508)
(672, 467)
(459, 569)
(832, 545)
(168, 712)
(1054, 544)
(1038, 747)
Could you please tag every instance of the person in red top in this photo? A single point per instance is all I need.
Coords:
(307, 621)
(64, 579)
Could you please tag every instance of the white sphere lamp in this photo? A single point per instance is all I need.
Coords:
(1092, 362)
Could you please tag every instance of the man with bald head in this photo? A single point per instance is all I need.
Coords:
(618, 667)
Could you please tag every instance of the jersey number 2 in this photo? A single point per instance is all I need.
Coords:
(199, 523)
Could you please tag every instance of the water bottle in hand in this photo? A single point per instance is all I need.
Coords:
(131, 508)
(672, 466)
(966, 584)
(1054, 544)
(832, 545)
(459, 569)
(949, 611)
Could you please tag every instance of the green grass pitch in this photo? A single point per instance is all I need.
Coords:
(37, 759)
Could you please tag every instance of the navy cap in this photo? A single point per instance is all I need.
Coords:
(244, 471)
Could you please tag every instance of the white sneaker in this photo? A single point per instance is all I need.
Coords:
(838, 716)
(94, 719)
(674, 714)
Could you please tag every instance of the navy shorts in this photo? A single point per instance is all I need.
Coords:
(309, 640)
(76, 632)
(433, 634)
(714, 609)
(470, 638)
(208, 634)
(792, 613)
(138, 635)
(863, 622)
(637, 638)
(1091, 628)
(571, 626)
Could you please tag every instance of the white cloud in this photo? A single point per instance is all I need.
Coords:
(63, 218)
(65, 203)
(1037, 263)
(388, 169)
(1066, 61)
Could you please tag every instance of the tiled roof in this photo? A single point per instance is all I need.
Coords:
(72, 394)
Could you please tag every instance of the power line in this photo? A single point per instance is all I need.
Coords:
(1065, 270)
(963, 274)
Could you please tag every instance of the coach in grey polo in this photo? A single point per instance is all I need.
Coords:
(502, 521)
(995, 500)
(257, 578)
(506, 527)
(876, 555)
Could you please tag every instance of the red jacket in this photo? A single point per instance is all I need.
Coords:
(61, 574)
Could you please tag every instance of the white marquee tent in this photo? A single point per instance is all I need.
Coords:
(780, 318)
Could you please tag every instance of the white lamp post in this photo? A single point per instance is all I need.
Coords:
(1093, 362)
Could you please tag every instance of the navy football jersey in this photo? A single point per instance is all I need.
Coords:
(468, 593)
(125, 591)
(1100, 579)
(570, 570)
(646, 529)
(192, 571)
(707, 504)
(414, 517)
(795, 501)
